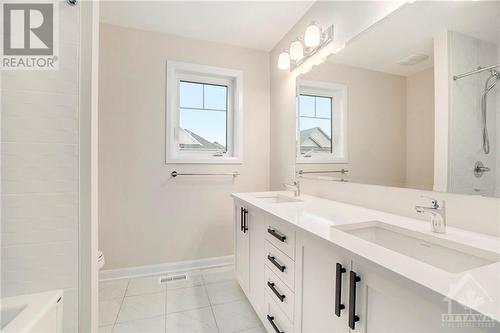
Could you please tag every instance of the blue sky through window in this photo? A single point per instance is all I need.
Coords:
(203, 110)
(315, 111)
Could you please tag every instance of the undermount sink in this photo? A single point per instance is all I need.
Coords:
(441, 253)
(277, 198)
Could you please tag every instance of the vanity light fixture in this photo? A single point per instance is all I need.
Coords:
(312, 37)
(284, 60)
(296, 50)
(317, 42)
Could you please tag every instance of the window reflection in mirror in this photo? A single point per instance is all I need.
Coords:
(321, 122)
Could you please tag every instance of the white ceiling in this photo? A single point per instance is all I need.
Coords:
(252, 24)
(410, 30)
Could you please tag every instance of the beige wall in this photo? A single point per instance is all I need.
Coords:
(145, 216)
(376, 113)
(420, 130)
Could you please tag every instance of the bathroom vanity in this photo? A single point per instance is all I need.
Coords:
(308, 264)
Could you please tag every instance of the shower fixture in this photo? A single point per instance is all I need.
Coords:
(490, 83)
(480, 169)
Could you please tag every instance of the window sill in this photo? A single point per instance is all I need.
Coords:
(321, 160)
(222, 160)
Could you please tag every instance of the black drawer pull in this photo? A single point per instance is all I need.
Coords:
(276, 234)
(353, 318)
(241, 219)
(275, 263)
(271, 320)
(338, 289)
(245, 224)
(275, 291)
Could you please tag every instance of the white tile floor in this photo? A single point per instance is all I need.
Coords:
(209, 301)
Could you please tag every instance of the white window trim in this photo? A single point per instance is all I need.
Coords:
(339, 94)
(216, 75)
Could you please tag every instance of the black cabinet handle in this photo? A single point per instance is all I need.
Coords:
(245, 225)
(271, 320)
(353, 318)
(275, 263)
(241, 219)
(338, 289)
(276, 234)
(275, 291)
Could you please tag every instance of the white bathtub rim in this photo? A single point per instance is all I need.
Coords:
(37, 305)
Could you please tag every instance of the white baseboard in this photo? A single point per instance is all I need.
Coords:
(129, 272)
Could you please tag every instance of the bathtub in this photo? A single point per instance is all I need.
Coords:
(40, 312)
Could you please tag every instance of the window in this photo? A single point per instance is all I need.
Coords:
(202, 117)
(203, 114)
(321, 122)
(315, 124)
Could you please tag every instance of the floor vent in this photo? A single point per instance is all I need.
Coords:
(172, 278)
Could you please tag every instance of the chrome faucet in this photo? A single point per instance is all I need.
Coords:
(437, 210)
(295, 186)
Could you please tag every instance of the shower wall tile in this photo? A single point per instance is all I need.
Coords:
(63, 80)
(465, 148)
(39, 174)
(31, 231)
(39, 168)
(39, 117)
(40, 207)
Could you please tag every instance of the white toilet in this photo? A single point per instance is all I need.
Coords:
(100, 259)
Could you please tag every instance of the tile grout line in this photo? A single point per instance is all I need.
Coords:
(121, 304)
(187, 287)
(210, 302)
(166, 311)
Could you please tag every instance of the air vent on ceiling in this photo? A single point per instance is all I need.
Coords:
(413, 59)
(172, 278)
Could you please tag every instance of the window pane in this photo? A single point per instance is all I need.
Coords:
(215, 97)
(202, 130)
(191, 95)
(315, 135)
(306, 105)
(324, 107)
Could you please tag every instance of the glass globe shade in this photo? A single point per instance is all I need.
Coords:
(312, 37)
(284, 61)
(296, 50)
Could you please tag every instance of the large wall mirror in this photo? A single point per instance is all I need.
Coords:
(409, 104)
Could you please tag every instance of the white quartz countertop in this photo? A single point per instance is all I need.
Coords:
(318, 216)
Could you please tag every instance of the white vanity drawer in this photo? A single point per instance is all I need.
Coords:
(281, 294)
(280, 264)
(276, 317)
(282, 236)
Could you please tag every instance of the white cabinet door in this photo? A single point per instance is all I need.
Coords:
(257, 230)
(316, 280)
(387, 303)
(242, 246)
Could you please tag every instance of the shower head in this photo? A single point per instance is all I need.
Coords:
(491, 81)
